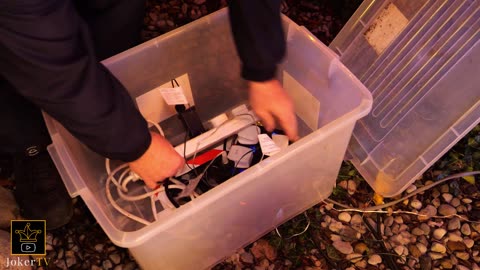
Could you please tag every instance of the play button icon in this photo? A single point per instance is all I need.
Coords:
(28, 247)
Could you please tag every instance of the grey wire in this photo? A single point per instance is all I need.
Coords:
(297, 234)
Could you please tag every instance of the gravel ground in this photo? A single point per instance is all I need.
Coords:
(445, 237)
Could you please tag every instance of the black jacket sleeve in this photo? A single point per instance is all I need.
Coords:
(46, 53)
(258, 34)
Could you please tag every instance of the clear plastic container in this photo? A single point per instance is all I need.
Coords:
(202, 232)
(420, 61)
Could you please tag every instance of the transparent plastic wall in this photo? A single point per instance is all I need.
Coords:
(420, 61)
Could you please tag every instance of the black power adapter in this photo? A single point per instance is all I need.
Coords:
(190, 119)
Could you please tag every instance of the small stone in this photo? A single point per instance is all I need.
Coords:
(436, 255)
(61, 252)
(360, 248)
(411, 263)
(456, 246)
(415, 251)
(444, 188)
(343, 247)
(263, 248)
(375, 259)
(468, 242)
(435, 193)
(118, 267)
(335, 237)
(447, 197)
(475, 266)
(199, 2)
(357, 220)
(455, 202)
(247, 257)
(427, 212)
(466, 229)
(399, 220)
(350, 186)
(388, 221)
(461, 267)
(467, 200)
(98, 247)
(107, 264)
(447, 210)
(422, 248)
(345, 217)
(417, 231)
(354, 257)
(130, 266)
(115, 258)
(437, 247)
(411, 189)
(416, 204)
(436, 202)
(461, 209)
(439, 233)
(399, 250)
(454, 237)
(446, 264)
(335, 226)
(454, 224)
(361, 264)
(462, 255)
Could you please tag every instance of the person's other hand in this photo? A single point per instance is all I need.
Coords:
(273, 105)
(159, 162)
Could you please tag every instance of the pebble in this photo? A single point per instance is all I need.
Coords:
(416, 204)
(435, 193)
(436, 255)
(344, 247)
(415, 251)
(335, 226)
(436, 202)
(130, 266)
(115, 258)
(361, 264)
(439, 233)
(388, 221)
(357, 220)
(422, 248)
(118, 267)
(107, 264)
(454, 237)
(447, 197)
(354, 257)
(425, 228)
(462, 255)
(461, 267)
(447, 210)
(399, 250)
(411, 189)
(467, 200)
(345, 217)
(417, 231)
(98, 247)
(444, 188)
(360, 248)
(447, 264)
(456, 246)
(466, 229)
(437, 247)
(427, 212)
(399, 219)
(461, 209)
(350, 186)
(454, 224)
(375, 259)
(60, 254)
(455, 202)
(247, 257)
(468, 242)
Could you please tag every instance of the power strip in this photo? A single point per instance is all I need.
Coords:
(213, 137)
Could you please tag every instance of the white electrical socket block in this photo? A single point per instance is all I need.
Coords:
(213, 136)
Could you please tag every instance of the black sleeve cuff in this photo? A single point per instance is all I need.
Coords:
(258, 75)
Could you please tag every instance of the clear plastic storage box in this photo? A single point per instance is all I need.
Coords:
(202, 232)
(420, 61)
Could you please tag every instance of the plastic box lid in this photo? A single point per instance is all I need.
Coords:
(420, 61)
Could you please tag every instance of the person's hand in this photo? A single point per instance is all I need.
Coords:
(273, 105)
(159, 162)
